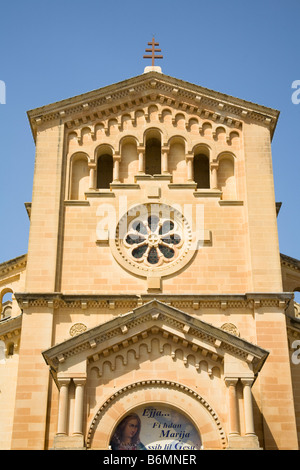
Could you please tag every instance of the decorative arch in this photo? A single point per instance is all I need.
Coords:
(170, 393)
(176, 159)
(180, 121)
(5, 305)
(220, 134)
(226, 175)
(85, 135)
(202, 166)
(103, 149)
(153, 146)
(153, 112)
(6, 290)
(297, 294)
(177, 138)
(158, 129)
(79, 175)
(206, 130)
(166, 115)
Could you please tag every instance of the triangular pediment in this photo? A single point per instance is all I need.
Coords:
(110, 101)
(154, 318)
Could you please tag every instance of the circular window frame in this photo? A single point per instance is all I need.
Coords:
(122, 251)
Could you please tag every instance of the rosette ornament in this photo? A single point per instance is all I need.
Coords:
(153, 241)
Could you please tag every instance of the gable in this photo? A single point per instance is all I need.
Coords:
(126, 97)
(192, 336)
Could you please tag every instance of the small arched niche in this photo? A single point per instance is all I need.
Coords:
(226, 177)
(129, 159)
(104, 168)
(176, 159)
(153, 152)
(79, 176)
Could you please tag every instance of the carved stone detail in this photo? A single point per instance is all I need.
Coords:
(77, 328)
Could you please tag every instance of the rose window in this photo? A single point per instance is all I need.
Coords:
(153, 241)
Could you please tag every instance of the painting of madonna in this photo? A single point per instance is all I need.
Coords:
(127, 434)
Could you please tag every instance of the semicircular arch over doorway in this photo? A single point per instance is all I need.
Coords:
(174, 395)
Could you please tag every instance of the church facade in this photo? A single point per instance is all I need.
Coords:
(153, 291)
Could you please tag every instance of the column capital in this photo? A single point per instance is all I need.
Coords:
(214, 165)
(63, 381)
(247, 380)
(189, 156)
(231, 381)
(79, 380)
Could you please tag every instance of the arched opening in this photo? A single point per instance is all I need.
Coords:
(6, 303)
(153, 153)
(79, 177)
(226, 178)
(201, 171)
(297, 295)
(104, 171)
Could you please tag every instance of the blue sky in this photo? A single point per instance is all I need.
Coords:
(52, 50)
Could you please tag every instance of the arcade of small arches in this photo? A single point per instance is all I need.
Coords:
(200, 166)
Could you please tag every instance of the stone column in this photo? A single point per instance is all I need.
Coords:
(164, 160)
(79, 402)
(116, 169)
(190, 167)
(214, 175)
(92, 182)
(63, 406)
(248, 407)
(234, 428)
(141, 153)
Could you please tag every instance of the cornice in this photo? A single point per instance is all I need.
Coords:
(195, 301)
(152, 318)
(152, 86)
(290, 262)
(9, 326)
(13, 264)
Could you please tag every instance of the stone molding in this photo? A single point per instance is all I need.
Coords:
(10, 327)
(198, 336)
(150, 87)
(196, 302)
(12, 265)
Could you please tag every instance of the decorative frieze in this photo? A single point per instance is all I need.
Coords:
(171, 324)
(223, 301)
(131, 93)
